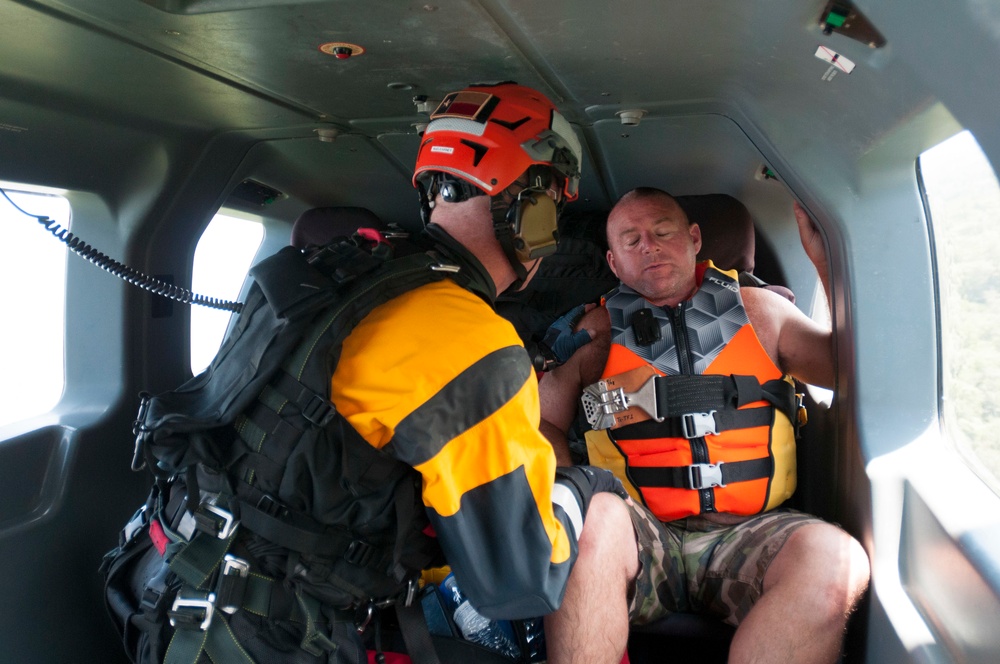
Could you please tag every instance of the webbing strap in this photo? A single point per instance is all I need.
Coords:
(679, 395)
(218, 640)
(680, 477)
(305, 538)
(195, 562)
(676, 427)
(416, 634)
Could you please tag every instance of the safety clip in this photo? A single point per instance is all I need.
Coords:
(705, 475)
(600, 403)
(699, 425)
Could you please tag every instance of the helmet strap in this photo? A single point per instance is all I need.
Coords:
(503, 227)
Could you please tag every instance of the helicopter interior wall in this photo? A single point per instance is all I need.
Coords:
(152, 146)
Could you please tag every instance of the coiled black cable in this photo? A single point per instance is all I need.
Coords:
(124, 272)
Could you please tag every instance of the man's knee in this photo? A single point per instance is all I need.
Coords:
(832, 566)
(608, 535)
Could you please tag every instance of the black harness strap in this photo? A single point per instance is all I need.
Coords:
(679, 427)
(683, 394)
(416, 635)
(686, 477)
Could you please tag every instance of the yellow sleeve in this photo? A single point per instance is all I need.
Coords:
(440, 381)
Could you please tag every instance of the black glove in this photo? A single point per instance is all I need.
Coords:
(585, 481)
(560, 341)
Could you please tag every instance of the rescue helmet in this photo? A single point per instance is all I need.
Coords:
(489, 135)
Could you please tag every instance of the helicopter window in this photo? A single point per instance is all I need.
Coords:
(963, 200)
(33, 290)
(221, 262)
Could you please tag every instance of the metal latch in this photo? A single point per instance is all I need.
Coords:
(600, 403)
(188, 611)
(232, 583)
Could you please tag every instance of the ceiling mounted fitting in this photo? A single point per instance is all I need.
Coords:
(341, 50)
(327, 134)
(631, 118)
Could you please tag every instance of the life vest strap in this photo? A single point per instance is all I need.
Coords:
(698, 425)
(692, 402)
(701, 475)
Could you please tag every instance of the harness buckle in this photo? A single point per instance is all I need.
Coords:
(411, 591)
(232, 583)
(441, 266)
(134, 526)
(319, 411)
(698, 425)
(705, 475)
(140, 431)
(359, 553)
(192, 612)
(363, 616)
(601, 403)
(215, 521)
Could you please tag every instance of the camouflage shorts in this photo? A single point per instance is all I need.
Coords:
(698, 566)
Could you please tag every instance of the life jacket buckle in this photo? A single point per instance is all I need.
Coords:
(192, 612)
(705, 475)
(699, 425)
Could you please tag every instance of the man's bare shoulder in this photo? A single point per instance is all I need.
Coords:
(767, 312)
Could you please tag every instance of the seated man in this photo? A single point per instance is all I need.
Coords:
(715, 467)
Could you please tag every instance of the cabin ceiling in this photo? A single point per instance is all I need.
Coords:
(734, 70)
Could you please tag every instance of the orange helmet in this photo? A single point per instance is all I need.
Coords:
(488, 135)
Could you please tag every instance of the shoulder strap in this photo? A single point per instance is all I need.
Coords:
(292, 301)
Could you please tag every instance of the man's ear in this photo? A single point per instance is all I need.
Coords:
(611, 259)
(695, 232)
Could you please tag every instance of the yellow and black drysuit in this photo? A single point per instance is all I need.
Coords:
(437, 379)
(720, 437)
(368, 411)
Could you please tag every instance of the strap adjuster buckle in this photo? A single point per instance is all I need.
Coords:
(359, 553)
(698, 425)
(705, 475)
(232, 583)
(192, 612)
(215, 521)
(319, 411)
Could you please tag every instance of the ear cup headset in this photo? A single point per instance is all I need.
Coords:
(508, 142)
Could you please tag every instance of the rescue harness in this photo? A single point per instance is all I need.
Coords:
(268, 510)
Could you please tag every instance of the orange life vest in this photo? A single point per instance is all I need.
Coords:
(724, 441)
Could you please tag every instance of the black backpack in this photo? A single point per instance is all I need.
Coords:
(274, 531)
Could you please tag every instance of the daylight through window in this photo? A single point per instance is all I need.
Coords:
(33, 292)
(964, 201)
(221, 262)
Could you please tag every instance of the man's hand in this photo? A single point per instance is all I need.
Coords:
(812, 241)
(560, 341)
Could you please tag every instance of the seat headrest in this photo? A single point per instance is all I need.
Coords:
(726, 230)
(319, 226)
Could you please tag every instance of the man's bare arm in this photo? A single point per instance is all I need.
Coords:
(797, 344)
(560, 389)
